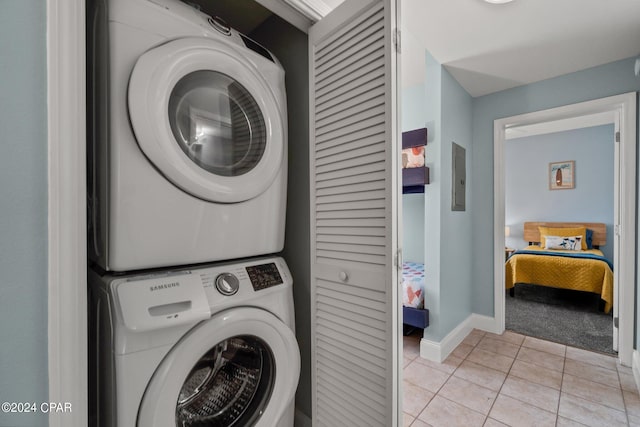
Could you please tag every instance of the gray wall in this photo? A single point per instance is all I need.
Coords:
(290, 47)
(598, 82)
(527, 193)
(23, 217)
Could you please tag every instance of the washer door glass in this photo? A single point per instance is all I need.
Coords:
(239, 368)
(228, 386)
(217, 123)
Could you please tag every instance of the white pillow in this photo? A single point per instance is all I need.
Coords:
(571, 243)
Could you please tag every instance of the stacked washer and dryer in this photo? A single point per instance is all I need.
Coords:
(191, 316)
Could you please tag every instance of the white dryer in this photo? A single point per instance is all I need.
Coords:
(188, 141)
(211, 346)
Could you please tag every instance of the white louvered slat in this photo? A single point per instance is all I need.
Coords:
(330, 310)
(353, 71)
(356, 151)
(364, 213)
(351, 383)
(374, 162)
(334, 45)
(371, 120)
(349, 373)
(351, 205)
(347, 146)
(367, 134)
(354, 179)
(350, 73)
(350, 231)
(371, 109)
(366, 409)
(352, 200)
(357, 88)
(351, 188)
(354, 171)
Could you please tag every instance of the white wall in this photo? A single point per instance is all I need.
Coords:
(527, 193)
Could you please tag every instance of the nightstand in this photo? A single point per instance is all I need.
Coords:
(508, 252)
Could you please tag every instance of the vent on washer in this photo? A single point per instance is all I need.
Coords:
(256, 47)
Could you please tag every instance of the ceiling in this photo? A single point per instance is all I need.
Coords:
(492, 47)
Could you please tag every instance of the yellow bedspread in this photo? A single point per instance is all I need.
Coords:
(562, 272)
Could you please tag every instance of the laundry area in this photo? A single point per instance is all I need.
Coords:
(191, 299)
(200, 214)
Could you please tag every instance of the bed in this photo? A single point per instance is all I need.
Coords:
(560, 256)
(414, 315)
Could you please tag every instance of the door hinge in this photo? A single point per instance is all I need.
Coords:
(615, 322)
(618, 136)
(397, 259)
(617, 229)
(397, 40)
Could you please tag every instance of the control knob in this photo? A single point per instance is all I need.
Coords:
(227, 284)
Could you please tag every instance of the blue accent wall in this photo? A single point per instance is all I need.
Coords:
(413, 228)
(455, 226)
(23, 218)
(432, 233)
(606, 80)
(527, 193)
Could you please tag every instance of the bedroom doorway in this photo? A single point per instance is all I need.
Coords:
(619, 110)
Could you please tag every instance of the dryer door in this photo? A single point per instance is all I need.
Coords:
(206, 117)
(240, 368)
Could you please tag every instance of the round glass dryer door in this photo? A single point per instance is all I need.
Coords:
(208, 119)
(239, 368)
(229, 386)
(217, 123)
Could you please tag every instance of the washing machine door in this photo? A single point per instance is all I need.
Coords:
(240, 368)
(207, 118)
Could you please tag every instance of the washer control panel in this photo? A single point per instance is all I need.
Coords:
(243, 279)
(264, 276)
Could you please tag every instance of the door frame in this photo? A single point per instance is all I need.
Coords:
(67, 231)
(623, 107)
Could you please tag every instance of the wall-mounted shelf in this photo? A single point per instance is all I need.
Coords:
(414, 179)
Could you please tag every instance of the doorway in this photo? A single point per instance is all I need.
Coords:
(620, 110)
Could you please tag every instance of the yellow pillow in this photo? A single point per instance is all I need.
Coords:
(564, 232)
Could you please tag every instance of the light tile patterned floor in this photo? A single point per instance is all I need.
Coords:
(513, 380)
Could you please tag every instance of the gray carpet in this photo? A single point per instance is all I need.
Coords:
(560, 315)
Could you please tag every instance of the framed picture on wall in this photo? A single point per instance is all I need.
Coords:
(562, 175)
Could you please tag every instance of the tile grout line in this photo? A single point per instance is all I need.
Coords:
(624, 400)
(505, 380)
(564, 364)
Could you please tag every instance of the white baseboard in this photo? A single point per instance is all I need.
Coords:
(635, 367)
(439, 351)
(301, 419)
(485, 323)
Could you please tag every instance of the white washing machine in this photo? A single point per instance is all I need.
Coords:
(210, 346)
(188, 139)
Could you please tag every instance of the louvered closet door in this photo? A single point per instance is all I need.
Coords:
(353, 213)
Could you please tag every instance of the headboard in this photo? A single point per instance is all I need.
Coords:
(532, 234)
